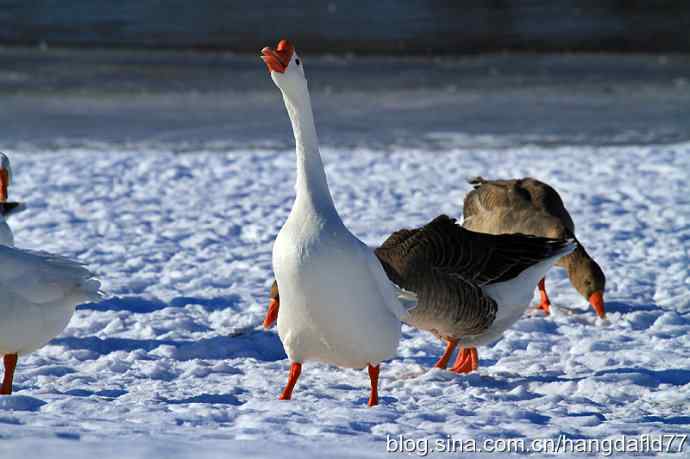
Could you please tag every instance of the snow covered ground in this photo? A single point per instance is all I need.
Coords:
(174, 195)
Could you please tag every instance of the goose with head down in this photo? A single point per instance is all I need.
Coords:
(337, 305)
(465, 287)
(533, 207)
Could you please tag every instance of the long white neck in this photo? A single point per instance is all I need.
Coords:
(312, 186)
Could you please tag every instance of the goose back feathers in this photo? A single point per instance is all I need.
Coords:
(518, 194)
(449, 268)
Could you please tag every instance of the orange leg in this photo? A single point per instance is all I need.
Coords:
(467, 361)
(272, 313)
(545, 304)
(461, 360)
(450, 348)
(474, 356)
(374, 377)
(295, 370)
(10, 364)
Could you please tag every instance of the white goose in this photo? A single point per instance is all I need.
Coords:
(337, 305)
(38, 294)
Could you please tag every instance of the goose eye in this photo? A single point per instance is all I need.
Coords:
(297, 61)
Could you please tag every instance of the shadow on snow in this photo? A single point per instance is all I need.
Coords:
(256, 344)
(145, 305)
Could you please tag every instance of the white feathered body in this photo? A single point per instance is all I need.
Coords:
(38, 295)
(336, 304)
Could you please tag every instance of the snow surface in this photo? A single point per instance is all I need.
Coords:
(180, 226)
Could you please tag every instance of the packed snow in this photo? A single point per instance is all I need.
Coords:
(179, 227)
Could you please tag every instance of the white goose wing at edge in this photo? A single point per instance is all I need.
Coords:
(43, 278)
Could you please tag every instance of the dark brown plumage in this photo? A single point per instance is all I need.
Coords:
(446, 266)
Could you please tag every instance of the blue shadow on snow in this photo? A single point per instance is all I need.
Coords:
(626, 308)
(214, 399)
(673, 420)
(256, 344)
(145, 305)
(650, 378)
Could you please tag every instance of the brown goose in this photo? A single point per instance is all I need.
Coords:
(532, 207)
(468, 287)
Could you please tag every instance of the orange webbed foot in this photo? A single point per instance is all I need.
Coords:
(467, 361)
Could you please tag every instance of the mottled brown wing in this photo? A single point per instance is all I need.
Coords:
(442, 294)
(476, 257)
(489, 195)
(544, 197)
(472, 311)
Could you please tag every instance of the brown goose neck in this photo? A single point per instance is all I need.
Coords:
(577, 257)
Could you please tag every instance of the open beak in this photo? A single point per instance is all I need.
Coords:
(278, 59)
(4, 183)
(596, 299)
(272, 314)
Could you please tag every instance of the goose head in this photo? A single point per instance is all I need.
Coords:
(5, 176)
(286, 70)
(589, 280)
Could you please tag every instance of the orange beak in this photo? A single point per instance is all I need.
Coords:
(596, 299)
(272, 314)
(4, 183)
(277, 60)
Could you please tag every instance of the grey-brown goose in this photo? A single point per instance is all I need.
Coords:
(468, 287)
(533, 207)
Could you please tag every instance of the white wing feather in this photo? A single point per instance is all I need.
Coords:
(388, 291)
(43, 278)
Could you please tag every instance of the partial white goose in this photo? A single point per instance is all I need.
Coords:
(38, 291)
(38, 295)
(337, 305)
